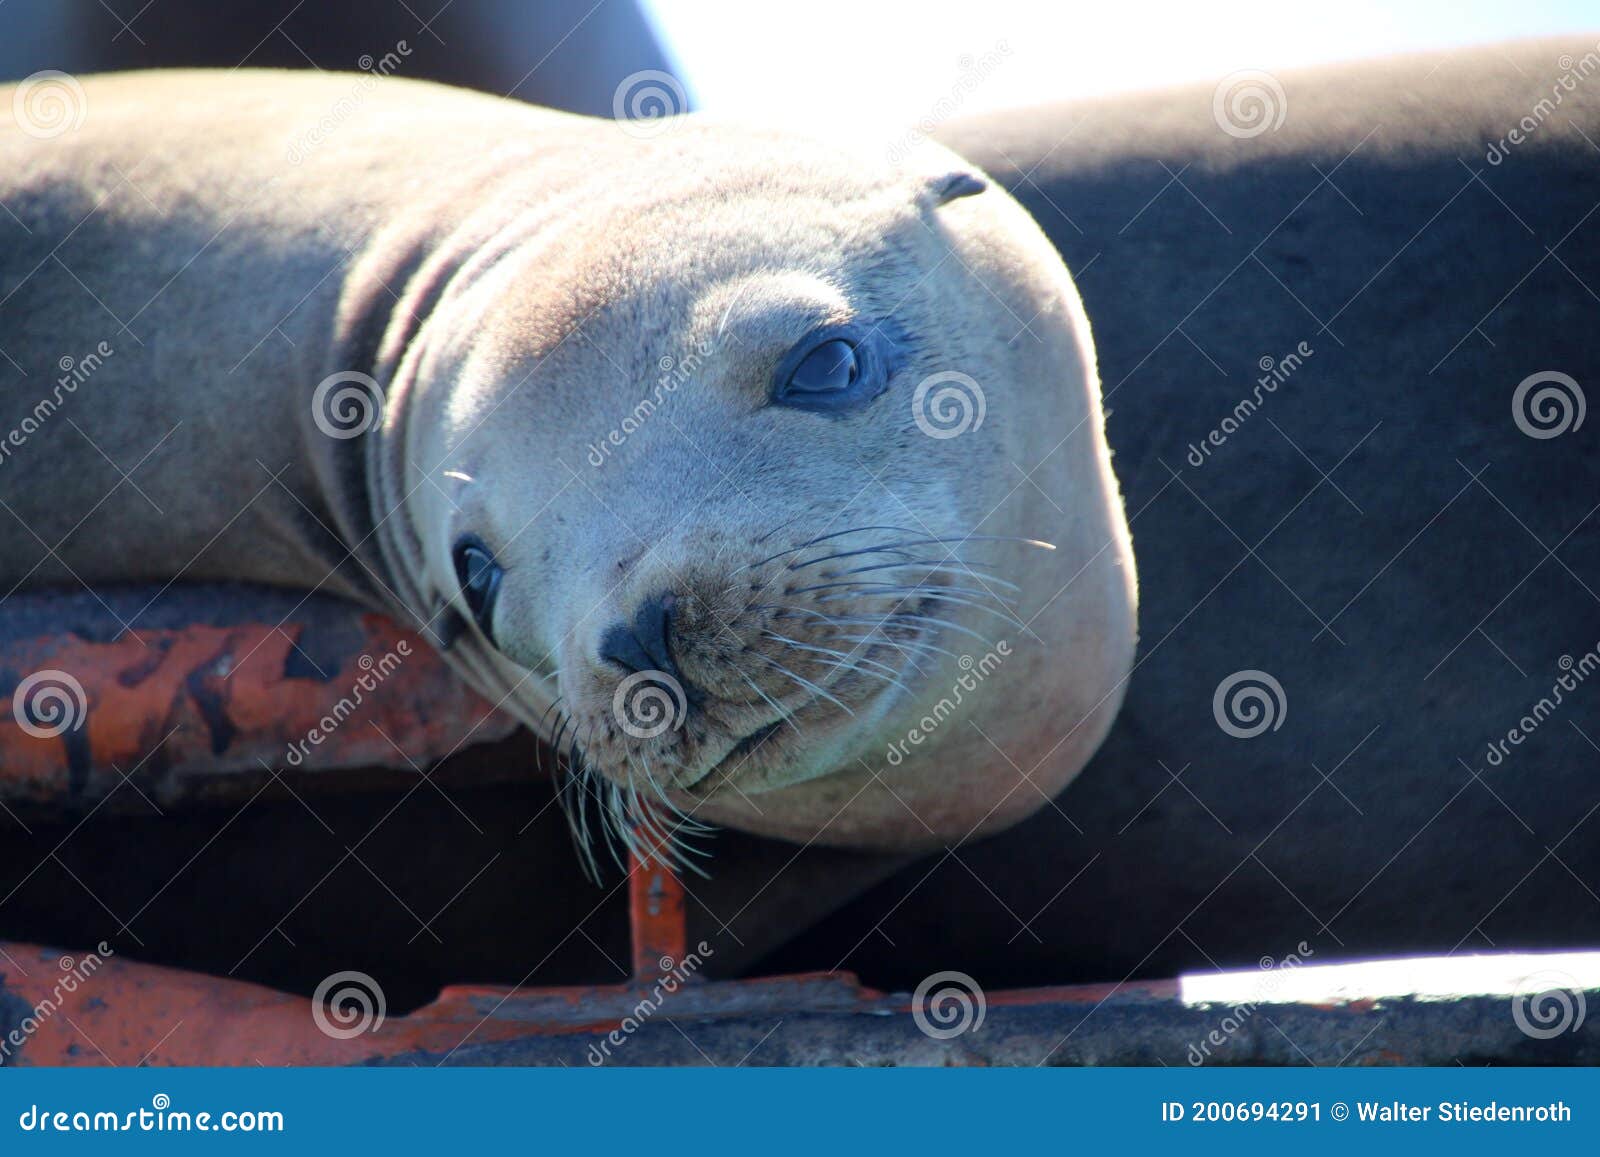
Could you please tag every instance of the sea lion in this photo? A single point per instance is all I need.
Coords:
(757, 474)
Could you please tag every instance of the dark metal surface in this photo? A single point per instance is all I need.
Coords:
(132, 1013)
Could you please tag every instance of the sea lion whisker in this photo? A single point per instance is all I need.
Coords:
(920, 647)
(819, 692)
(675, 846)
(782, 610)
(843, 665)
(785, 523)
(900, 548)
(598, 788)
(908, 658)
(879, 623)
(580, 845)
(957, 568)
(686, 818)
(823, 538)
(785, 716)
(555, 705)
(577, 782)
(593, 788)
(903, 546)
(847, 662)
(906, 616)
(663, 844)
(848, 656)
(650, 780)
(641, 820)
(930, 540)
(877, 636)
(902, 551)
(563, 723)
(681, 819)
(889, 584)
(909, 651)
(619, 832)
(909, 589)
(938, 595)
(573, 752)
(541, 730)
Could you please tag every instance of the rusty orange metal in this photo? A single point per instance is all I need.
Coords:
(189, 709)
(656, 917)
(134, 1014)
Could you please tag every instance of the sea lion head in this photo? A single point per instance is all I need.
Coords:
(768, 480)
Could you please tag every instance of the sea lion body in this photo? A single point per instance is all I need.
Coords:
(368, 336)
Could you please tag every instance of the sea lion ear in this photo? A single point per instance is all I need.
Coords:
(951, 186)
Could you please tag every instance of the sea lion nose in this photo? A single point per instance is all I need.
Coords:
(646, 643)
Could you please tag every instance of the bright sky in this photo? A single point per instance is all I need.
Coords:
(859, 59)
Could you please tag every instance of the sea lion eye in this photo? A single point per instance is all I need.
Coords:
(839, 368)
(829, 367)
(479, 576)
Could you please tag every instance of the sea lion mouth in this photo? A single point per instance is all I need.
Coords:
(739, 754)
(749, 766)
(785, 751)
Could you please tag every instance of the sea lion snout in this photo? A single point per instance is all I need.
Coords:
(645, 642)
(699, 658)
